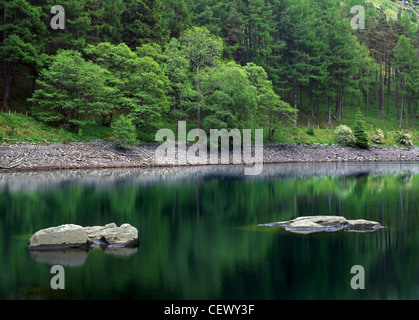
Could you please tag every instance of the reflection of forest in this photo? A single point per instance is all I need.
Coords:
(199, 240)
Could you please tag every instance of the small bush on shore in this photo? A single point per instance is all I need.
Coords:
(405, 138)
(124, 132)
(344, 136)
(378, 137)
(310, 131)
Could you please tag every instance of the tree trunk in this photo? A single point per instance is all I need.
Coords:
(311, 102)
(381, 91)
(7, 87)
(397, 91)
(33, 84)
(270, 127)
(329, 122)
(337, 102)
(414, 116)
(368, 92)
(199, 99)
(376, 94)
(4, 38)
(301, 96)
(317, 104)
(13, 74)
(407, 112)
(401, 107)
(340, 105)
(295, 99)
(388, 86)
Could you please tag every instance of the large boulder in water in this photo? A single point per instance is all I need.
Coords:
(61, 237)
(74, 236)
(308, 224)
(123, 236)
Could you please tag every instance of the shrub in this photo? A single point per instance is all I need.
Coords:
(124, 132)
(378, 137)
(310, 131)
(344, 136)
(360, 133)
(404, 138)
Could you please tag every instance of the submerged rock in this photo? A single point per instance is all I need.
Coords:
(70, 236)
(309, 224)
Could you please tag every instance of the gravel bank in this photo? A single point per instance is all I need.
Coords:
(99, 154)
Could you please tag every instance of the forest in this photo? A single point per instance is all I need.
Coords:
(123, 69)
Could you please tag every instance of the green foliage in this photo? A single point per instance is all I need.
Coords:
(310, 131)
(12, 124)
(230, 105)
(124, 132)
(177, 68)
(71, 90)
(140, 86)
(204, 51)
(269, 108)
(378, 137)
(360, 132)
(344, 136)
(176, 17)
(19, 127)
(111, 27)
(23, 38)
(143, 23)
(407, 64)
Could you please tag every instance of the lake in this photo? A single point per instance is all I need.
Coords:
(199, 233)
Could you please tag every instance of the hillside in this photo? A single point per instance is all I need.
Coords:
(391, 8)
(265, 60)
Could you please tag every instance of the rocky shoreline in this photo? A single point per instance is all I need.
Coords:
(100, 154)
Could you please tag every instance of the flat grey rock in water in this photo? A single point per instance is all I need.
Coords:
(123, 236)
(309, 224)
(61, 237)
(74, 236)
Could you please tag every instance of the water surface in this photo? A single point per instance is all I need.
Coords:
(199, 237)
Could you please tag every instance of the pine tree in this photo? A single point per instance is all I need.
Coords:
(359, 130)
(143, 23)
(176, 17)
(404, 55)
(23, 41)
(234, 34)
(112, 28)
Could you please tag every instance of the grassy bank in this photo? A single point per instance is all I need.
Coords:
(20, 127)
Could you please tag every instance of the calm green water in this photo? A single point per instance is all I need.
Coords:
(199, 237)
